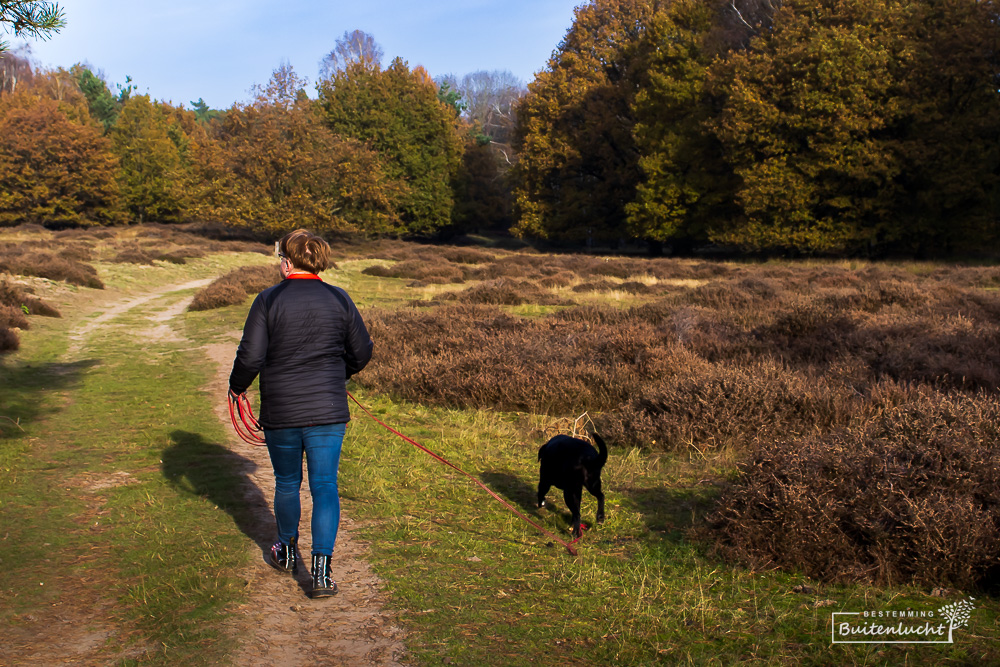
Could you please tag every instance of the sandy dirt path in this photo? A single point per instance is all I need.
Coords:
(350, 628)
(279, 624)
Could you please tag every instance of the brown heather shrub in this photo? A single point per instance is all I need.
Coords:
(132, 255)
(30, 228)
(909, 495)
(12, 317)
(9, 342)
(751, 351)
(467, 256)
(79, 251)
(439, 272)
(14, 296)
(475, 355)
(518, 265)
(741, 294)
(610, 268)
(235, 286)
(23, 260)
(180, 255)
(74, 234)
(711, 406)
(506, 292)
(629, 286)
(558, 278)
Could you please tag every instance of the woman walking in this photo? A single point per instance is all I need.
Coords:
(305, 339)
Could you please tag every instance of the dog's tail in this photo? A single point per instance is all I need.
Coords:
(602, 449)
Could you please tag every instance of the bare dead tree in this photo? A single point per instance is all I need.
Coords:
(15, 67)
(352, 47)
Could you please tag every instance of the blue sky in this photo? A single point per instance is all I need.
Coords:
(180, 50)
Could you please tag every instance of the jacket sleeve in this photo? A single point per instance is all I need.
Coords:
(359, 345)
(252, 350)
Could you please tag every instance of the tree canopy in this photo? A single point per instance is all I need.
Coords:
(397, 112)
(802, 127)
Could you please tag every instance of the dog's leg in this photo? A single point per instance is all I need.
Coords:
(595, 489)
(543, 488)
(573, 497)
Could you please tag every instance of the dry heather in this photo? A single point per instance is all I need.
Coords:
(15, 306)
(67, 255)
(426, 271)
(506, 292)
(34, 259)
(719, 365)
(863, 404)
(235, 286)
(912, 494)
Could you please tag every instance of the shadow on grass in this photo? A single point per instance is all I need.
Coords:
(221, 476)
(672, 512)
(513, 488)
(22, 386)
(525, 496)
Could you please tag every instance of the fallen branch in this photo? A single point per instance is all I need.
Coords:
(15, 423)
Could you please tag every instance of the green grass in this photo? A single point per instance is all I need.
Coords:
(469, 581)
(123, 473)
(478, 586)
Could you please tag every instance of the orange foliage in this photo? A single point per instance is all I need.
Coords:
(53, 170)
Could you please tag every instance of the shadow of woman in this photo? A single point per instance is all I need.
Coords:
(221, 476)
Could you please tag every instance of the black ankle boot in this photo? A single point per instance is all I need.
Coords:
(323, 585)
(285, 557)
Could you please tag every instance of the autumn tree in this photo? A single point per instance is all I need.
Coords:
(30, 18)
(489, 100)
(808, 109)
(153, 177)
(947, 135)
(282, 168)
(577, 160)
(54, 170)
(686, 187)
(397, 113)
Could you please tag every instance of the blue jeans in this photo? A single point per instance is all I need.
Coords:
(321, 446)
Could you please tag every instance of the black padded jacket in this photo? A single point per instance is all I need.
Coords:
(305, 338)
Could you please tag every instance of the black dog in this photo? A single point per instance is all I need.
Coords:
(571, 464)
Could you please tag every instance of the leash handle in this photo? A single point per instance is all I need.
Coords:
(568, 545)
(251, 429)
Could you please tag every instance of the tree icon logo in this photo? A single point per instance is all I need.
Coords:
(957, 614)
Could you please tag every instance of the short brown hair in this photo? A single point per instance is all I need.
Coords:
(305, 250)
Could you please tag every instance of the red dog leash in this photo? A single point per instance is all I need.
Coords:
(251, 430)
(451, 465)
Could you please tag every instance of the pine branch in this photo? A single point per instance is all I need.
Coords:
(30, 18)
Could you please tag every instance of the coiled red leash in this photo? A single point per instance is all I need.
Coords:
(251, 430)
